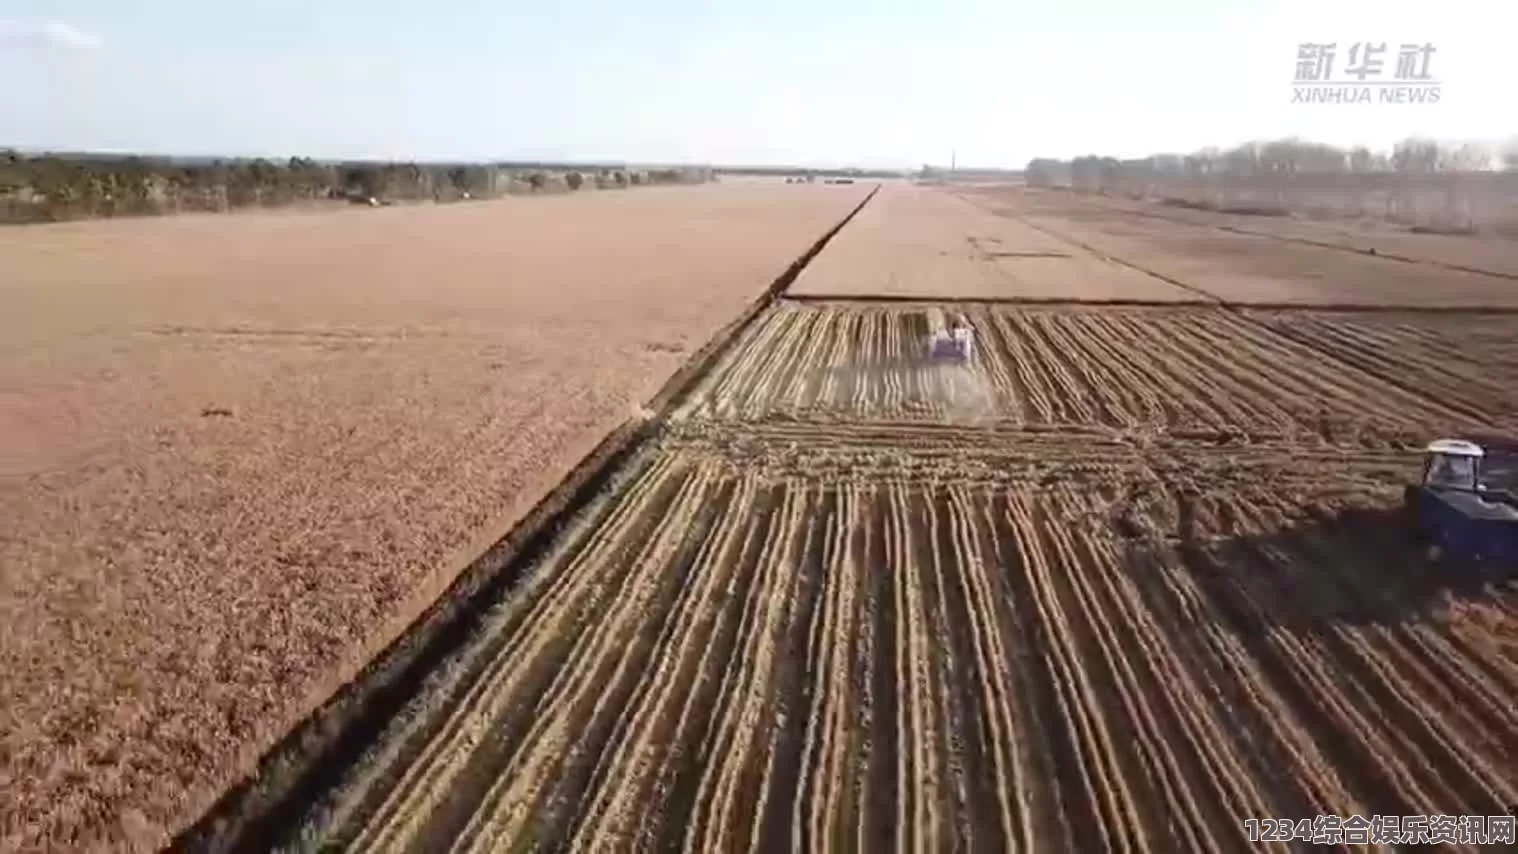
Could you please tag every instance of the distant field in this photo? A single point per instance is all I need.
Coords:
(922, 242)
(1133, 573)
(1258, 262)
(1493, 253)
(240, 454)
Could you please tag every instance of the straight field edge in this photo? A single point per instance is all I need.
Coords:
(256, 813)
(1234, 306)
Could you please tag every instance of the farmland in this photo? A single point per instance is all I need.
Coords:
(827, 613)
(241, 454)
(1493, 254)
(1244, 259)
(921, 242)
(1131, 369)
(1132, 576)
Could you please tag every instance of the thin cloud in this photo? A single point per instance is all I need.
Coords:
(47, 35)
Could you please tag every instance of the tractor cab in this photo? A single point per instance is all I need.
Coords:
(1453, 464)
(1484, 465)
(1464, 505)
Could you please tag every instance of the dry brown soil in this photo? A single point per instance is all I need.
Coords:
(241, 453)
(922, 242)
(1496, 253)
(1260, 266)
(1150, 585)
(1131, 577)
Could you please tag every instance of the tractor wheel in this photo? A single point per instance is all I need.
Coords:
(1408, 518)
(1415, 535)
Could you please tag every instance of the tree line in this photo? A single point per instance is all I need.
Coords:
(1419, 181)
(51, 187)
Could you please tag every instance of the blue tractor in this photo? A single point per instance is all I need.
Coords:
(1465, 508)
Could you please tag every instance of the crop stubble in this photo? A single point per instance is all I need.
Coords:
(818, 616)
(1151, 371)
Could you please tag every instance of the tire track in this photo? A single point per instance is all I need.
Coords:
(820, 805)
(435, 787)
(1125, 369)
(722, 821)
(572, 717)
(1091, 764)
(627, 785)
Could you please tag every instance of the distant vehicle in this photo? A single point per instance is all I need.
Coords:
(950, 342)
(1465, 508)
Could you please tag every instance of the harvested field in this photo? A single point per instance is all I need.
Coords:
(1258, 266)
(1494, 254)
(1151, 371)
(1467, 362)
(1133, 577)
(925, 243)
(738, 651)
(242, 453)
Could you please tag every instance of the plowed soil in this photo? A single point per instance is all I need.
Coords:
(1310, 377)
(818, 615)
(240, 454)
(921, 242)
(1133, 576)
(1492, 253)
(1264, 263)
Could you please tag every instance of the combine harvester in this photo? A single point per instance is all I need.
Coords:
(1465, 508)
(950, 344)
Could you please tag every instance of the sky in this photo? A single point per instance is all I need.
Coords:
(875, 83)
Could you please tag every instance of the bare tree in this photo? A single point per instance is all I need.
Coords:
(1415, 155)
(1419, 181)
(1470, 157)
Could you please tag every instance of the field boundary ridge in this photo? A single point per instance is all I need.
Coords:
(1242, 305)
(1214, 305)
(1308, 241)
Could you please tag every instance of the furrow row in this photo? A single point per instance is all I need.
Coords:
(730, 659)
(1136, 370)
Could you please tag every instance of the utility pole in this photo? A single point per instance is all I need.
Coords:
(953, 160)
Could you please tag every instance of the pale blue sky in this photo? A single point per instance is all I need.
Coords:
(867, 82)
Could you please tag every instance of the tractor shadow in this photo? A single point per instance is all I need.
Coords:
(1328, 570)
